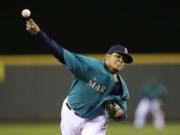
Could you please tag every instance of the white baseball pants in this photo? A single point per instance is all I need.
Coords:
(72, 124)
(154, 107)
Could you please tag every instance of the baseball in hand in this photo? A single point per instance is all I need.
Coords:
(26, 13)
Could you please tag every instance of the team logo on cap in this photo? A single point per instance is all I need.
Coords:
(125, 50)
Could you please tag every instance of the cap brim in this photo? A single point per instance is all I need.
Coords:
(128, 57)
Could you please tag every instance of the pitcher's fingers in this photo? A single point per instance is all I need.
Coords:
(28, 25)
(32, 21)
(28, 28)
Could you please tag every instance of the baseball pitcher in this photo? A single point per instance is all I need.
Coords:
(98, 92)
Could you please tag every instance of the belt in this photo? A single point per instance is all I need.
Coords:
(68, 106)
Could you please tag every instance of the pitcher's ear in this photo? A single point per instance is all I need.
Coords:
(106, 56)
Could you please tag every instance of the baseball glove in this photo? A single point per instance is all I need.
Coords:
(112, 109)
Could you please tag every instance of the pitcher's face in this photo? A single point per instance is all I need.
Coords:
(114, 61)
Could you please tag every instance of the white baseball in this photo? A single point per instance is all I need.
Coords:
(26, 13)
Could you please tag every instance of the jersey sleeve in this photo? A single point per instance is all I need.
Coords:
(76, 63)
(121, 100)
(56, 49)
(124, 99)
(123, 106)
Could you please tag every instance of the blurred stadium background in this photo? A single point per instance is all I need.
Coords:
(33, 84)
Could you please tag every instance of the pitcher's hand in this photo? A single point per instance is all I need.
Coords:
(118, 113)
(32, 27)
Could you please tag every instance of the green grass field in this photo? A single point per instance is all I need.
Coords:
(113, 129)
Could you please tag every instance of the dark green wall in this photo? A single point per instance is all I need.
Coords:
(37, 92)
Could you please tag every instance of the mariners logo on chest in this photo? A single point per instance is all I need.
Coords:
(93, 84)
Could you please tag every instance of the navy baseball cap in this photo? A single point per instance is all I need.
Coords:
(121, 50)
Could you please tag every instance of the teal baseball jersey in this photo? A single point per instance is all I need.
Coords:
(91, 86)
(154, 91)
